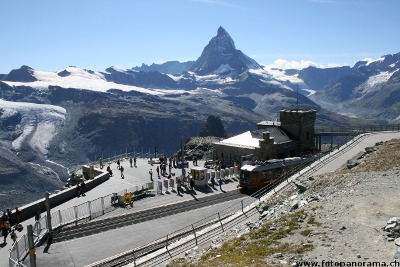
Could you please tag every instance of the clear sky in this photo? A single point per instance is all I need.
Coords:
(49, 35)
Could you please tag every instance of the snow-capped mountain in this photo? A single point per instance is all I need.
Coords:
(74, 115)
(370, 90)
(221, 56)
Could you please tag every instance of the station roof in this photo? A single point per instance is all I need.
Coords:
(250, 139)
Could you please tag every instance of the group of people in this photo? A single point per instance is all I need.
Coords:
(212, 179)
(9, 224)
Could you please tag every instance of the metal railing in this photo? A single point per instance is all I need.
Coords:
(77, 214)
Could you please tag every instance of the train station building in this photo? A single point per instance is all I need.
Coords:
(292, 135)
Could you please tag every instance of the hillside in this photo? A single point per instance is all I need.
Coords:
(340, 219)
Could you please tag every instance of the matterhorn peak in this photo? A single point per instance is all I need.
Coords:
(221, 54)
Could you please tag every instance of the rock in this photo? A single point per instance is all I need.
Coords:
(397, 255)
(390, 239)
(343, 228)
(358, 256)
(301, 188)
(393, 220)
(277, 255)
(397, 241)
(390, 226)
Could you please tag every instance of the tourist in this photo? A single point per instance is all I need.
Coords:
(122, 172)
(17, 215)
(134, 161)
(191, 184)
(213, 181)
(130, 161)
(13, 236)
(4, 231)
(220, 183)
(151, 174)
(78, 189)
(83, 187)
(178, 187)
(118, 163)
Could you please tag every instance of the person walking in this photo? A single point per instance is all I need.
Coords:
(122, 172)
(192, 184)
(130, 161)
(213, 181)
(178, 187)
(220, 183)
(158, 172)
(151, 174)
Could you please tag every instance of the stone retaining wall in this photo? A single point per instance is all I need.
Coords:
(28, 211)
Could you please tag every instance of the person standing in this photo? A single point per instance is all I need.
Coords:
(213, 181)
(122, 172)
(13, 236)
(192, 183)
(158, 172)
(134, 161)
(78, 189)
(130, 161)
(118, 163)
(4, 231)
(83, 187)
(178, 187)
(151, 174)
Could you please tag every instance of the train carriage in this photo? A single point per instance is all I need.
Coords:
(256, 176)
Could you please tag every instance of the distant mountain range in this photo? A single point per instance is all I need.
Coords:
(58, 120)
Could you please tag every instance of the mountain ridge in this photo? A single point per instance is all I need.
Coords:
(109, 112)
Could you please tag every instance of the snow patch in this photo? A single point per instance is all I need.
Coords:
(38, 126)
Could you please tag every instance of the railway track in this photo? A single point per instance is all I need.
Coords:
(69, 232)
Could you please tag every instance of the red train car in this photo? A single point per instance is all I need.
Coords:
(256, 176)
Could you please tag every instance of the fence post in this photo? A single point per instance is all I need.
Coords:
(194, 232)
(48, 207)
(134, 258)
(102, 206)
(60, 217)
(221, 223)
(31, 246)
(90, 212)
(76, 215)
(17, 249)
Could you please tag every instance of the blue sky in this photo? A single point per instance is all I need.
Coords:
(49, 35)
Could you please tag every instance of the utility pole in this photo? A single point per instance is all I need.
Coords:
(183, 168)
(47, 194)
(31, 244)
